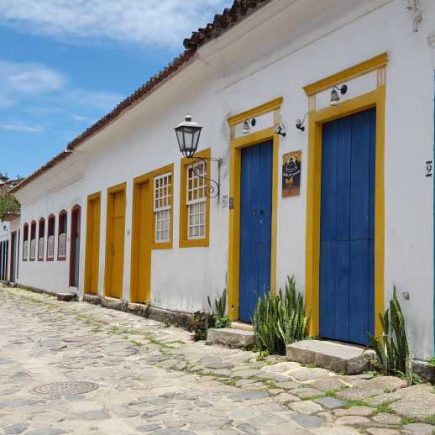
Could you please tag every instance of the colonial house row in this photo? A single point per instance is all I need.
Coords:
(314, 160)
(8, 263)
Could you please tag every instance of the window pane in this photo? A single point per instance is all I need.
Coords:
(162, 207)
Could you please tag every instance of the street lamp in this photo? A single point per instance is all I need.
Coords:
(188, 133)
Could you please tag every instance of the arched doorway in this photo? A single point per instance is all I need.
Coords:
(74, 261)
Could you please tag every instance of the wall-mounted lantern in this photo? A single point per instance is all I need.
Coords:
(188, 133)
(248, 123)
(335, 96)
(300, 123)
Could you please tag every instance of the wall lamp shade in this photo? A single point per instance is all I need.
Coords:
(335, 94)
(188, 133)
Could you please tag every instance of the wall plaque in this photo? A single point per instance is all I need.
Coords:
(291, 173)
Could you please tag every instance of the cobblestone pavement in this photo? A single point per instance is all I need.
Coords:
(154, 379)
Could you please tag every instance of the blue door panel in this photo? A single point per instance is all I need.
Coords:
(343, 205)
(255, 226)
(328, 274)
(329, 189)
(360, 182)
(361, 303)
(347, 228)
(340, 294)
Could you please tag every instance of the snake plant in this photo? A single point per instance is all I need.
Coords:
(280, 319)
(392, 346)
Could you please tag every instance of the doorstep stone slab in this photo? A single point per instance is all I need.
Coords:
(232, 338)
(338, 357)
(66, 296)
(242, 326)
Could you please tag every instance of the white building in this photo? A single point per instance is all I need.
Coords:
(121, 214)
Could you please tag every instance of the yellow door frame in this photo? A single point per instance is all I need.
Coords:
(92, 252)
(374, 99)
(236, 146)
(111, 191)
(150, 243)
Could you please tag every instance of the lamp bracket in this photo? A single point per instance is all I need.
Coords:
(214, 186)
(342, 89)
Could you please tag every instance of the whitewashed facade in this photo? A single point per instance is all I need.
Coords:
(272, 54)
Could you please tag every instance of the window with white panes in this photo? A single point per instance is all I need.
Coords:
(162, 208)
(196, 201)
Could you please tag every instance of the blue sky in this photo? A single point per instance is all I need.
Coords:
(65, 63)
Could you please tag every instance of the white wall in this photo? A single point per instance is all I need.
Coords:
(49, 275)
(276, 52)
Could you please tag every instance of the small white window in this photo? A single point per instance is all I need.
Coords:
(196, 200)
(62, 246)
(26, 250)
(162, 208)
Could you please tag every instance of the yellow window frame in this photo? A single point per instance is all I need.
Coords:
(185, 242)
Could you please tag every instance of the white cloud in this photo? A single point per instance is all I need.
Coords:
(19, 79)
(36, 80)
(22, 82)
(21, 127)
(81, 118)
(147, 22)
(97, 99)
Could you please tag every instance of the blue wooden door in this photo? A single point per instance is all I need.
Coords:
(255, 226)
(347, 228)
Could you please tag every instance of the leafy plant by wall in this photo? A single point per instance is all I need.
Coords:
(280, 319)
(219, 306)
(8, 203)
(392, 346)
(199, 325)
(218, 309)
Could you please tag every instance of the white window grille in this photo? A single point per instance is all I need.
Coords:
(41, 246)
(196, 200)
(50, 247)
(32, 249)
(26, 250)
(61, 249)
(162, 208)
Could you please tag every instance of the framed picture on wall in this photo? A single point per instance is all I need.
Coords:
(291, 173)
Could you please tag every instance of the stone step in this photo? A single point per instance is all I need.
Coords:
(66, 296)
(331, 355)
(230, 337)
(242, 326)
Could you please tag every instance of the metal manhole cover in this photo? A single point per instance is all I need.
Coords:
(68, 388)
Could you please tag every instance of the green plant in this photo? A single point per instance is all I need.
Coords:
(199, 324)
(392, 346)
(430, 419)
(218, 308)
(268, 324)
(296, 319)
(432, 362)
(280, 319)
(219, 305)
(222, 322)
(8, 203)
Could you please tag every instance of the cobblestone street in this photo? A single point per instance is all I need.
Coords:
(144, 377)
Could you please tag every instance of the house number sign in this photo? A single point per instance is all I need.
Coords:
(429, 168)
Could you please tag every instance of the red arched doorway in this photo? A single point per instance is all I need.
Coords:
(74, 261)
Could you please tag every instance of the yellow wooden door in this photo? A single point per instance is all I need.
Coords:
(92, 244)
(141, 247)
(115, 243)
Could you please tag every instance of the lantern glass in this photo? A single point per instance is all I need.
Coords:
(188, 134)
